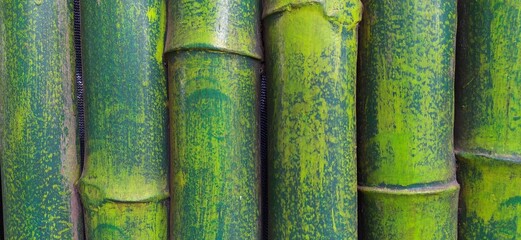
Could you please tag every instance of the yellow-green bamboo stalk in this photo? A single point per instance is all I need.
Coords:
(405, 112)
(124, 184)
(213, 50)
(311, 49)
(38, 150)
(488, 119)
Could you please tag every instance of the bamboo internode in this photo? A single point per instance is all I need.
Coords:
(358, 120)
(124, 183)
(214, 51)
(311, 51)
(405, 120)
(38, 147)
(488, 119)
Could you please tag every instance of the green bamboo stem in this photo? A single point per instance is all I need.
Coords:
(311, 49)
(405, 106)
(38, 147)
(124, 184)
(488, 126)
(213, 50)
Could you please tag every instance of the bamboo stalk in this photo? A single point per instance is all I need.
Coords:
(38, 150)
(311, 49)
(405, 106)
(214, 52)
(488, 129)
(124, 185)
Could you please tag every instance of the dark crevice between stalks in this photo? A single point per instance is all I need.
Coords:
(264, 153)
(79, 93)
(168, 140)
(79, 80)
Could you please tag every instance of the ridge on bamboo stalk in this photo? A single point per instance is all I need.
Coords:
(124, 185)
(311, 51)
(488, 125)
(214, 56)
(405, 111)
(38, 142)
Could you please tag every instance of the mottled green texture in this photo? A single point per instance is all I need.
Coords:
(419, 209)
(406, 92)
(311, 71)
(213, 51)
(405, 106)
(231, 26)
(1, 211)
(490, 197)
(38, 148)
(489, 78)
(341, 11)
(488, 118)
(215, 182)
(138, 220)
(124, 185)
